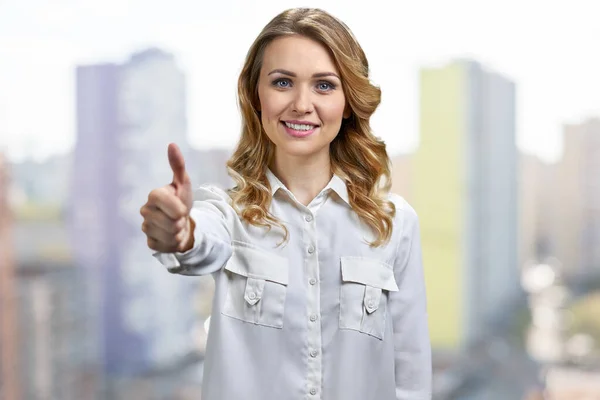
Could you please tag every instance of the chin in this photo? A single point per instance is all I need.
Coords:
(300, 149)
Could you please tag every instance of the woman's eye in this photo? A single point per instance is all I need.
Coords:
(282, 83)
(325, 86)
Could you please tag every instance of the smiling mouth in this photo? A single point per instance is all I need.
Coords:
(300, 127)
(299, 130)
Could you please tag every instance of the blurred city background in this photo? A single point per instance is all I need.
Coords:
(491, 113)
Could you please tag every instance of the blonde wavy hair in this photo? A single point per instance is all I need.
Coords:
(357, 156)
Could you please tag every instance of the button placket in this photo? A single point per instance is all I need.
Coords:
(314, 376)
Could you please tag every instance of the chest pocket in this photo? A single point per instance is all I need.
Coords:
(365, 286)
(256, 287)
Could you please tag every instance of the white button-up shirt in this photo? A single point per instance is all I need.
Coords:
(322, 316)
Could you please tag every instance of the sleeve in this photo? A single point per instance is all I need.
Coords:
(408, 307)
(212, 214)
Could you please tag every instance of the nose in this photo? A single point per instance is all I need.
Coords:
(302, 102)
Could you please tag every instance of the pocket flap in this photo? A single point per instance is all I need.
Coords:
(372, 299)
(254, 290)
(253, 263)
(369, 272)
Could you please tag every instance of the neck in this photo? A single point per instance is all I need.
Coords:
(305, 177)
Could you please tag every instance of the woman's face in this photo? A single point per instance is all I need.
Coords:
(301, 97)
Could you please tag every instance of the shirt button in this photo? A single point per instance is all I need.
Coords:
(252, 296)
(371, 304)
(313, 391)
(313, 353)
(311, 249)
(308, 218)
(312, 281)
(313, 318)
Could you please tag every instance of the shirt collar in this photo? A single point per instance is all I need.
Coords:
(336, 184)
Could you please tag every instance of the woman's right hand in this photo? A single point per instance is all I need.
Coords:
(167, 223)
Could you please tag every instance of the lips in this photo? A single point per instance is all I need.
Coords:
(299, 130)
(300, 125)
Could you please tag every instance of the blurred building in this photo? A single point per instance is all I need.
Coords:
(464, 188)
(570, 383)
(577, 183)
(43, 182)
(402, 175)
(9, 344)
(538, 218)
(56, 349)
(208, 167)
(126, 117)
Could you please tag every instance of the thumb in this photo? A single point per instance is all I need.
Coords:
(180, 177)
(181, 180)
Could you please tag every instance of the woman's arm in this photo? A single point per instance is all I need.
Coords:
(211, 217)
(408, 307)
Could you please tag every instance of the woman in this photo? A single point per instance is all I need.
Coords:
(319, 289)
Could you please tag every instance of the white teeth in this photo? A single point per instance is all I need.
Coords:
(299, 127)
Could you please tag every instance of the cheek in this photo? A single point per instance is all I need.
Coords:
(270, 104)
(333, 111)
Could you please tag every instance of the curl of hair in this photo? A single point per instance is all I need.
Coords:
(357, 156)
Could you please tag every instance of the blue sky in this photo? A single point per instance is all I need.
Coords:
(549, 51)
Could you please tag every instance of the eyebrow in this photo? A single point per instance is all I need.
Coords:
(317, 75)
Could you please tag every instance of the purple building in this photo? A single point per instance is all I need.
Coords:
(126, 116)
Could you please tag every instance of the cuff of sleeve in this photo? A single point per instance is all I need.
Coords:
(174, 260)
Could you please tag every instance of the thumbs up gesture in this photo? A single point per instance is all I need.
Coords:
(167, 223)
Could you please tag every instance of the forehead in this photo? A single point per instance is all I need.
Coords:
(298, 54)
